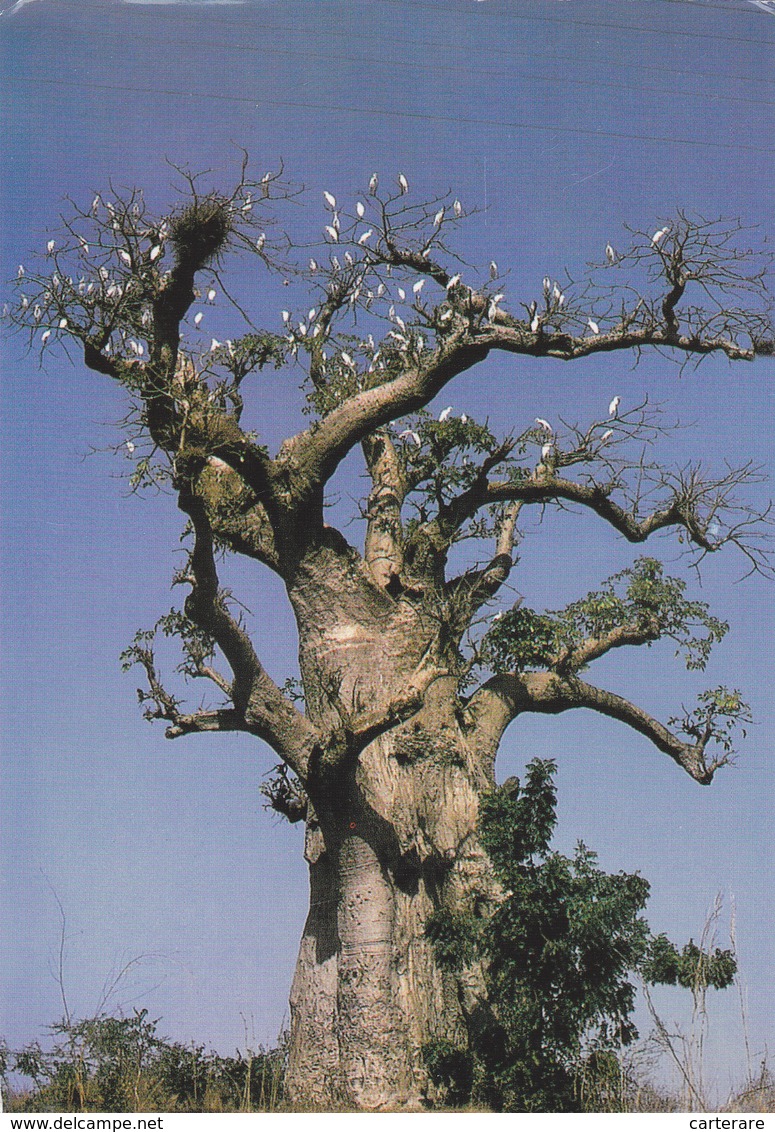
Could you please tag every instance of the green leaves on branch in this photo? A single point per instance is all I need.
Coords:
(638, 605)
(691, 967)
(719, 712)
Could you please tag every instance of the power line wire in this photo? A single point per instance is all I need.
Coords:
(407, 114)
(376, 61)
(567, 20)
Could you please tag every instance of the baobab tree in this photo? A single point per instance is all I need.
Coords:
(409, 677)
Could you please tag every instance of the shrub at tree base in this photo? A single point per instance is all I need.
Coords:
(558, 952)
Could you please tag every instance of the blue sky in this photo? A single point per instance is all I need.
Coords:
(563, 121)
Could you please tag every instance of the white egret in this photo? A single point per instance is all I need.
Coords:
(211, 295)
(260, 241)
(546, 450)
(445, 413)
(535, 323)
(330, 199)
(214, 345)
(198, 318)
(331, 232)
(659, 235)
(438, 218)
(610, 253)
(360, 209)
(130, 447)
(401, 294)
(613, 408)
(408, 434)
(457, 208)
(126, 258)
(313, 265)
(311, 314)
(593, 326)
(453, 282)
(50, 247)
(347, 360)
(20, 271)
(95, 204)
(37, 314)
(366, 236)
(403, 184)
(45, 337)
(493, 269)
(348, 259)
(547, 284)
(24, 302)
(286, 316)
(63, 324)
(606, 435)
(418, 286)
(373, 184)
(544, 425)
(155, 252)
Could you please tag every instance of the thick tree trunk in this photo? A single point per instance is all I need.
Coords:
(368, 993)
(392, 839)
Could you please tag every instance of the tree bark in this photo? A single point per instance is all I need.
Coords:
(392, 838)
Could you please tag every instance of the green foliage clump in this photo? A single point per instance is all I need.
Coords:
(558, 953)
(641, 599)
(109, 1064)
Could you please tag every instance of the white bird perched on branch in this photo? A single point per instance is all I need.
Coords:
(63, 324)
(366, 236)
(457, 208)
(95, 204)
(20, 271)
(493, 269)
(403, 184)
(593, 326)
(547, 285)
(610, 253)
(659, 235)
(211, 295)
(50, 247)
(360, 209)
(418, 286)
(198, 318)
(547, 450)
(313, 265)
(606, 435)
(130, 446)
(438, 218)
(535, 323)
(544, 425)
(373, 184)
(613, 408)
(260, 241)
(45, 337)
(126, 258)
(155, 252)
(331, 232)
(408, 434)
(445, 413)
(330, 199)
(214, 345)
(453, 282)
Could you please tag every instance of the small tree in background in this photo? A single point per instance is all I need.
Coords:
(557, 952)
